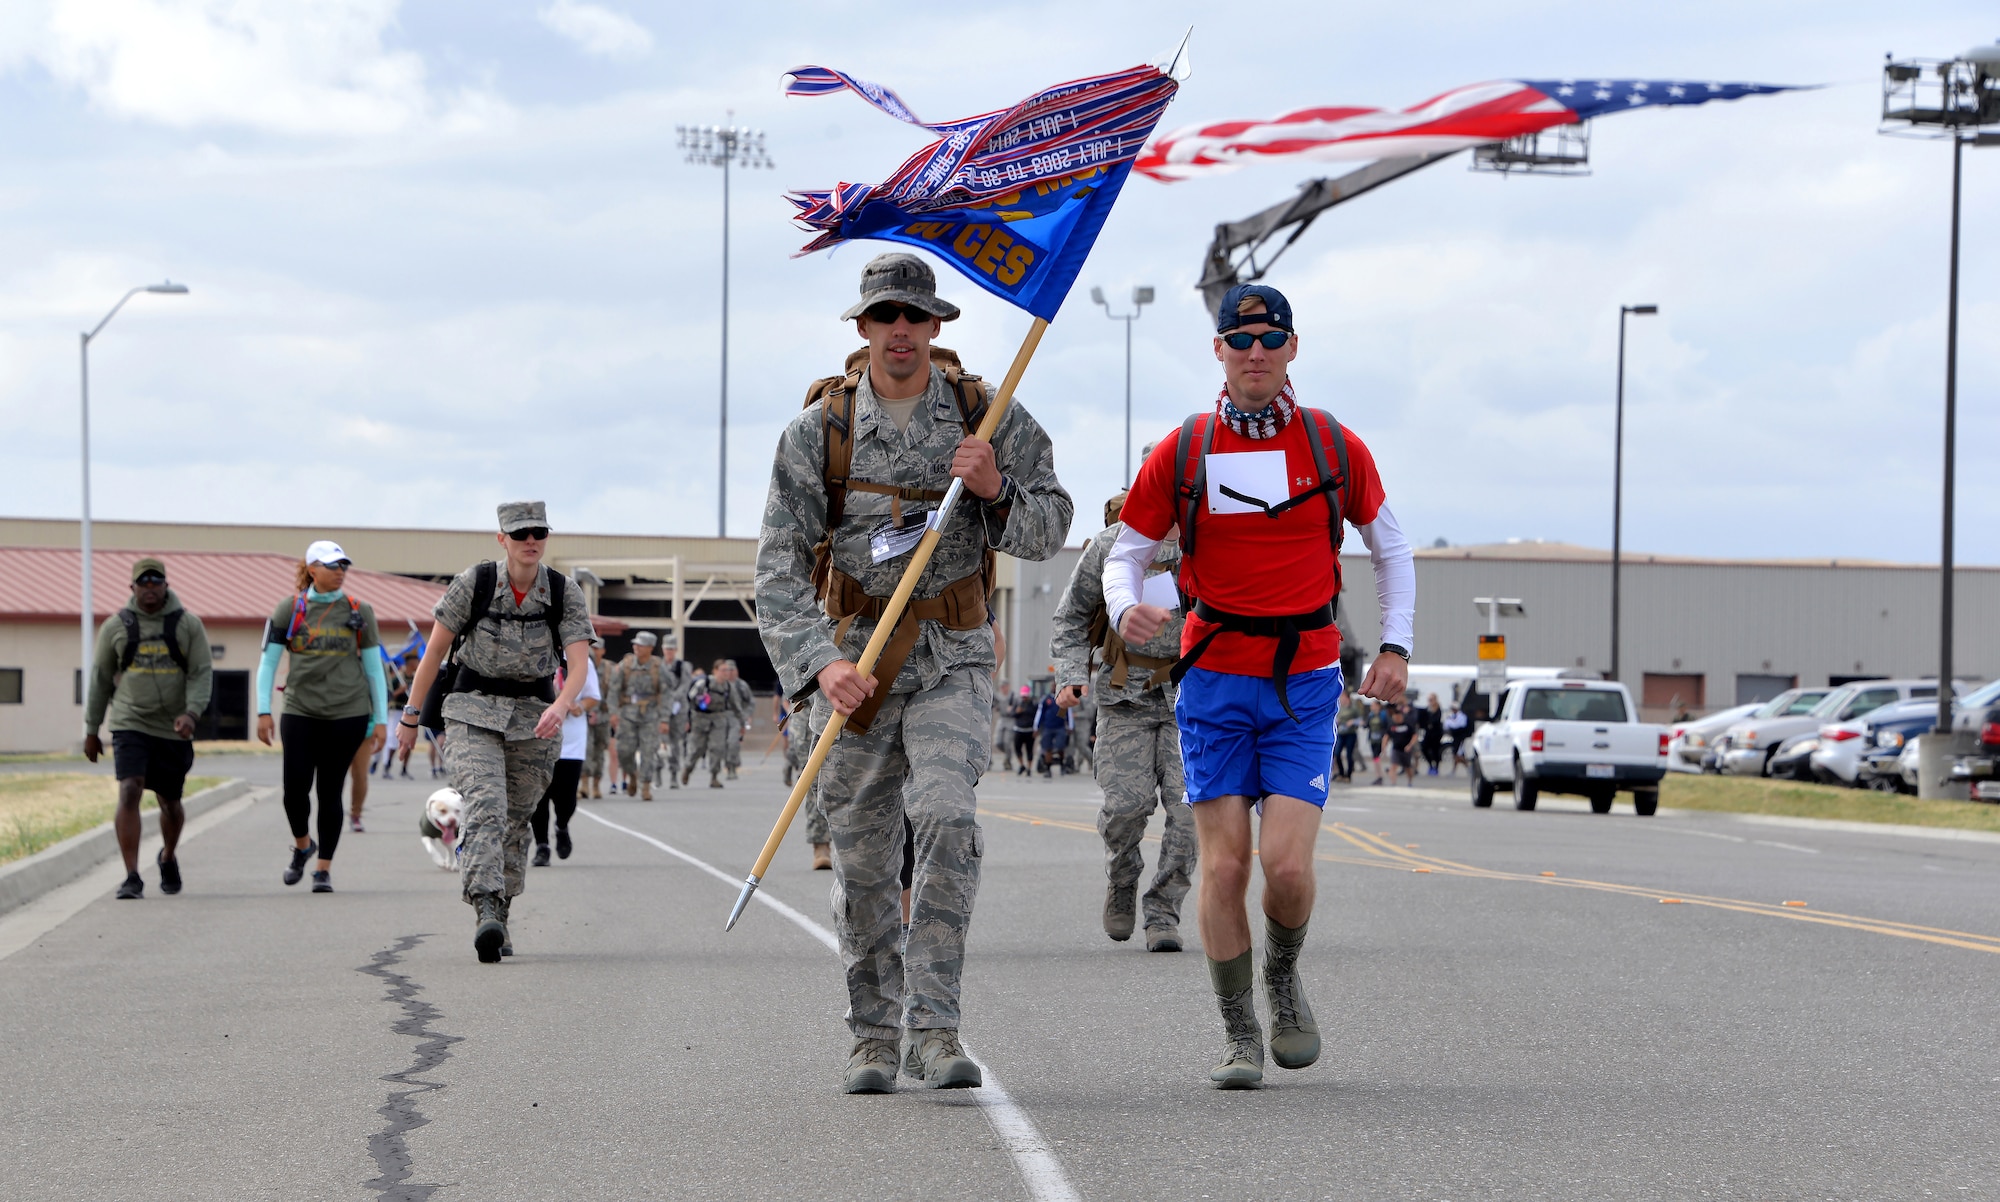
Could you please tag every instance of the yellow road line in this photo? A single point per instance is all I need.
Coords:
(1378, 852)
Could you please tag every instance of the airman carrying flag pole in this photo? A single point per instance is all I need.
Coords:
(1013, 200)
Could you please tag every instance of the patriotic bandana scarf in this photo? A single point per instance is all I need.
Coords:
(1266, 422)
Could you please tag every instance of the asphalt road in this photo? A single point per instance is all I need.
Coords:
(1491, 1032)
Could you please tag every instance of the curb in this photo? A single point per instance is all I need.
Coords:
(53, 867)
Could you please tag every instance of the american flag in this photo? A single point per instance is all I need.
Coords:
(1468, 116)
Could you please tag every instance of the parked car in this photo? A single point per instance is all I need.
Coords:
(1569, 736)
(1976, 725)
(1847, 739)
(1879, 753)
(1754, 744)
(1689, 744)
(1792, 759)
(1744, 747)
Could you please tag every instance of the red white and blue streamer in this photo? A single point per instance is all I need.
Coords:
(1468, 116)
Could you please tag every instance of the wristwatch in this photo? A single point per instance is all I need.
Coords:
(1007, 490)
(411, 711)
(1392, 648)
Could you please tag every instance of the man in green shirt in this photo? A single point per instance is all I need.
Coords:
(152, 671)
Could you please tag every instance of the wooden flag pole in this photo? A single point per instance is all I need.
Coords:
(891, 615)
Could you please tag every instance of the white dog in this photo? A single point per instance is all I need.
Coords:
(439, 825)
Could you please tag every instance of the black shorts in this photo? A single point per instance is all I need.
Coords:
(164, 763)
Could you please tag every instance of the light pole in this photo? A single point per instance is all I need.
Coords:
(1951, 98)
(168, 288)
(1618, 477)
(720, 146)
(1141, 297)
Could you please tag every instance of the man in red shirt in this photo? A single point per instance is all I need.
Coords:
(1258, 489)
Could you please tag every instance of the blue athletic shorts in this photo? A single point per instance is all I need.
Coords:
(1237, 741)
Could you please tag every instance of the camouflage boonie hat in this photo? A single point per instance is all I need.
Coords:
(522, 515)
(900, 279)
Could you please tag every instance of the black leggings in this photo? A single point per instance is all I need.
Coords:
(320, 748)
(562, 791)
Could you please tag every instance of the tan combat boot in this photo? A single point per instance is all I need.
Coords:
(645, 790)
(871, 1066)
(1294, 1034)
(1118, 911)
(936, 1058)
(1242, 1064)
(822, 856)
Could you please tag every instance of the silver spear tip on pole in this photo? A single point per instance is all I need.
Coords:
(742, 901)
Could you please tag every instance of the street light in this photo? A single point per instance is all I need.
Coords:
(165, 288)
(1141, 297)
(1618, 477)
(720, 146)
(1949, 98)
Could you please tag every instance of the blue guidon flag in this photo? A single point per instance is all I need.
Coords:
(1013, 198)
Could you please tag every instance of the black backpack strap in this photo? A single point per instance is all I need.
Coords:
(1335, 487)
(971, 401)
(485, 576)
(1189, 492)
(131, 621)
(554, 613)
(170, 628)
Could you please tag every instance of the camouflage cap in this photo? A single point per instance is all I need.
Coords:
(902, 279)
(645, 638)
(148, 564)
(522, 515)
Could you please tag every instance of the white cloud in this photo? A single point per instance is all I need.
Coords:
(598, 30)
(311, 67)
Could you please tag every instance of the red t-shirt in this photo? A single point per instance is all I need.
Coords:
(520, 595)
(1245, 562)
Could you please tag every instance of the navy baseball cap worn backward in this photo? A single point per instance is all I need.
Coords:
(904, 280)
(1277, 310)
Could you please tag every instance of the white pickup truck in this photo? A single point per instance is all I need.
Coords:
(1569, 736)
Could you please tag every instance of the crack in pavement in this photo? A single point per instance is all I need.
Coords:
(391, 1152)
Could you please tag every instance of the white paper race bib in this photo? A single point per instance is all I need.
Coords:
(1160, 590)
(1259, 474)
(888, 540)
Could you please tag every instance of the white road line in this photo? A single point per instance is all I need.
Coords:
(1034, 1157)
(1811, 851)
(1703, 834)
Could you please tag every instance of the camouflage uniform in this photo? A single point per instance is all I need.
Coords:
(495, 761)
(640, 687)
(800, 739)
(708, 728)
(609, 681)
(926, 747)
(741, 705)
(674, 715)
(600, 723)
(1138, 754)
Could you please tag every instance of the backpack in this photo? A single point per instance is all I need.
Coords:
(169, 631)
(837, 431)
(355, 622)
(1193, 491)
(485, 578)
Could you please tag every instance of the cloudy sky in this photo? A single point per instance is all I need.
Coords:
(444, 253)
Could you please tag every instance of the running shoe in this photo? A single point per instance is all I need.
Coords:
(354, 824)
(541, 859)
(297, 872)
(322, 882)
(170, 872)
(563, 846)
(133, 889)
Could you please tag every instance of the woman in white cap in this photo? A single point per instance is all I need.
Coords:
(335, 698)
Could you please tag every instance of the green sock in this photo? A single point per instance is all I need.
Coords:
(1279, 935)
(1229, 977)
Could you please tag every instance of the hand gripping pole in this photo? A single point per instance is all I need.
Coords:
(891, 615)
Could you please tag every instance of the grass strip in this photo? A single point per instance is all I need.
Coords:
(41, 809)
(1791, 799)
(201, 747)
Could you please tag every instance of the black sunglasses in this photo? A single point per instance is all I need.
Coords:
(528, 533)
(1272, 339)
(338, 565)
(888, 311)
(151, 578)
